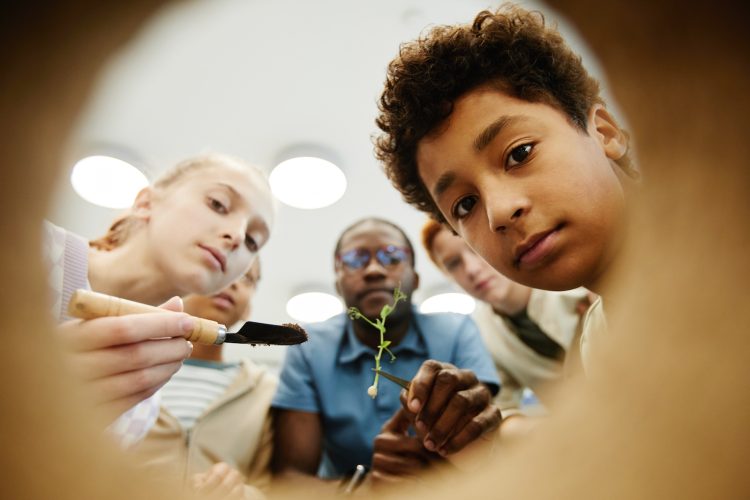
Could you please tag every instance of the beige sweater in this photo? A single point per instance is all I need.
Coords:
(518, 365)
(236, 429)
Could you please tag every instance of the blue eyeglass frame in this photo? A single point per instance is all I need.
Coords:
(387, 256)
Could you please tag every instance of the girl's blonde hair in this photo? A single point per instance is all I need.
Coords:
(123, 226)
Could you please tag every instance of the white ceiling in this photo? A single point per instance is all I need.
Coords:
(250, 78)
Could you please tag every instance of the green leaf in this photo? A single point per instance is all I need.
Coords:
(385, 311)
(385, 344)
(393, 356)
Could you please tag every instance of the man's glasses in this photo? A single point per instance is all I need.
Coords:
(387, 256)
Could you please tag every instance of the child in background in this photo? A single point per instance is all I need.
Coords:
(194, 231)
(527, 331)
(214, 427)
(496, 129)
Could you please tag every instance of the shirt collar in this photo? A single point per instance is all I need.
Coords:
(352, 349)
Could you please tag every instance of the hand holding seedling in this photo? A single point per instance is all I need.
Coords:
(379, 324)
(450, 407)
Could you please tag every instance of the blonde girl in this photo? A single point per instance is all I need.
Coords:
(195, 230)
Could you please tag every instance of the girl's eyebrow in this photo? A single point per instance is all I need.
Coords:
(232, 191)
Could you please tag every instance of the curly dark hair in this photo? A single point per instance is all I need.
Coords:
(511, 49)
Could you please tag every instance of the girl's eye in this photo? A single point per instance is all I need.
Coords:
(217, 206)
(464, 206)
(518, 155)
(251, 244)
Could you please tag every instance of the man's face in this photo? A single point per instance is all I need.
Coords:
(532, 194)
(371, 286)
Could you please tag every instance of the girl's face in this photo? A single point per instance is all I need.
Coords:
(535, 196)
(204, 230)
(469, 270)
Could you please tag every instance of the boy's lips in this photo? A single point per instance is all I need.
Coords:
(223, 301)
(535, 247)
(217, 255)
(482, 285)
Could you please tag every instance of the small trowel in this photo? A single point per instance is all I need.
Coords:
(85, 304)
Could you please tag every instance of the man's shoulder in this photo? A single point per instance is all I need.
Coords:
(443, 321)
(450, 324)
(323, 334)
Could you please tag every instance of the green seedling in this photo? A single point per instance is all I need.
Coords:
(379, 324)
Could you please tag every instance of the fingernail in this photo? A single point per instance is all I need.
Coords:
(187, 325)
(421, 427)
(429, 445)
(414, 405)
(190, 346)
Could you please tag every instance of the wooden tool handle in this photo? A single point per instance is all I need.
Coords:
(85, 304)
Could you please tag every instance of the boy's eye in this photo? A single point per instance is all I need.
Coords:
(464, 206)
(452, 264)
(251, 244)
(217, 205)
(518, 155)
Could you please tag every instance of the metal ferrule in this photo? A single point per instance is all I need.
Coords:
(221, 336)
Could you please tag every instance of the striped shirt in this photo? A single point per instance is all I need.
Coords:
(190, 392)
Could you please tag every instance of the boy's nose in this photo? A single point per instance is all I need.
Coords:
(471, 263)
(503, 212)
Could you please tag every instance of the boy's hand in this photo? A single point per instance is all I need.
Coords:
(126, 359)
(396, 455)
(220, 482)
(450, 406)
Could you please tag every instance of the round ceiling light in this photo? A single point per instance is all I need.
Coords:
(107, 181)
(307, 182)
(311, 307)
(448, 302)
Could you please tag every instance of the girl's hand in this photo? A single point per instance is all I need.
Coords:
(220, 481)
(126, 359)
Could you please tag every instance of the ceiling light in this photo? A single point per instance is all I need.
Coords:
(311, 307)
(107, 181)
(307, 182)
(448, 302)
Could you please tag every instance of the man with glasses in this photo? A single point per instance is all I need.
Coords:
(325, 420)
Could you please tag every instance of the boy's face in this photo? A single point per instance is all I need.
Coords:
(472, 273)
(535, 196)
(229, 305)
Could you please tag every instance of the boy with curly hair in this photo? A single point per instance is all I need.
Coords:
(497, 130)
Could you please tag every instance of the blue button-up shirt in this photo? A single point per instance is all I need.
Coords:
(330, 374)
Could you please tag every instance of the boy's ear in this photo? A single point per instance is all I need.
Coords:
(613, 139)
(143, 203)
